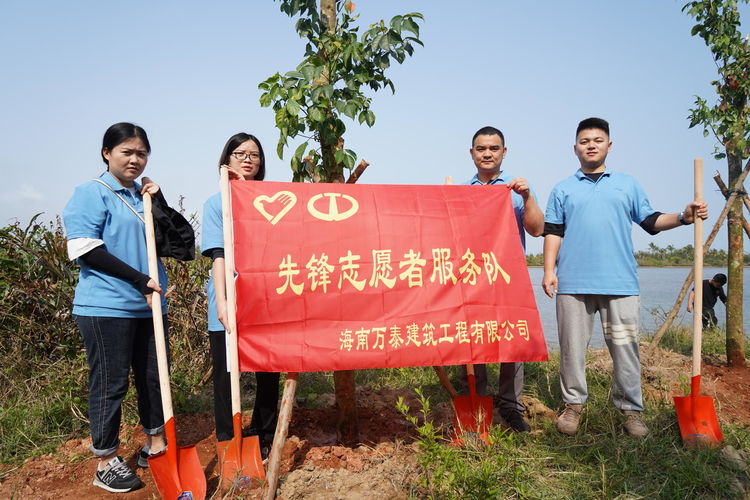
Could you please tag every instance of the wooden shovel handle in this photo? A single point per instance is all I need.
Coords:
(445, 381)
(231, 293)
(156, 312)
(698, 270)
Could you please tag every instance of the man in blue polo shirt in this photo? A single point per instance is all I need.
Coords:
(587, 234)
(488, 151)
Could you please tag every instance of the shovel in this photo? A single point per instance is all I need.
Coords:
(239, 458)
(473, 416)
(177, 472)
(696, 414)
(466, 421)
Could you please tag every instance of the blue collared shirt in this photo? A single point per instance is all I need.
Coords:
(212, 236)
(516, 199)
(95, 212)
(596, 255)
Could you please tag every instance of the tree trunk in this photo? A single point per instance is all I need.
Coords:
(347, 425)
(735, 270)
(333, 171)
(725, 193)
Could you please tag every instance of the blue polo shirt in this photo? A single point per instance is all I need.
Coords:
(596, 255)
(516, 198)
(95, 212)
(212, 236)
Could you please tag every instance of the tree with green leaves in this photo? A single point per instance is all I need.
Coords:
(331, 80)
(338, 67)
(728, 119)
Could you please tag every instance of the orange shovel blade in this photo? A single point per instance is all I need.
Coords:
(179, 477)
(699, 424)
(473, 417)
(240, 461)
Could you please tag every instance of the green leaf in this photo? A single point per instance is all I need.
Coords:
(296, 164)
(316, 115)
(293, 108)
(384, 42)
(396, 22)
(280, 149)
(340, 156)
(265, 99)
(300, 151)
(351, 109)
(349, 158)
(308, 72)
(370, 118)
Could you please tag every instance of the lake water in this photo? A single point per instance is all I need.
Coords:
(659, 289)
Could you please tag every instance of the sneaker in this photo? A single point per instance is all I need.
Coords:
(568, 421)
(143, 456)
(117, 477)
(515, 421)
(634, 424)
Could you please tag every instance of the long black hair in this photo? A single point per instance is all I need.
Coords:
(235, 141)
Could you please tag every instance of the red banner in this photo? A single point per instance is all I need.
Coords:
(339, 277)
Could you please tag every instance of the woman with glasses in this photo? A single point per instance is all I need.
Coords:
(112, 305)
(243, 157)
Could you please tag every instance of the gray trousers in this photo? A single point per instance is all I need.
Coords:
(511, 384)
(619, 315)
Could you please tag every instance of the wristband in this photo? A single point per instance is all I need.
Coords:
(682, 220)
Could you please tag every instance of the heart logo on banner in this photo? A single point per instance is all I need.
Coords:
(273, 208)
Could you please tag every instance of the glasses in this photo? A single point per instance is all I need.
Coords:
(242, 156)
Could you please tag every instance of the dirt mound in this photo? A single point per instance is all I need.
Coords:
(666, 374)
(378, 473)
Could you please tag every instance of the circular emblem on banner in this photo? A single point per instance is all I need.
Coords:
(333, 212)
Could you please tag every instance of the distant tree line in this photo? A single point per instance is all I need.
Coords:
(667, 256)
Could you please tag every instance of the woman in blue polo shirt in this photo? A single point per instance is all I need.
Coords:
(103, 222)
(243, 157)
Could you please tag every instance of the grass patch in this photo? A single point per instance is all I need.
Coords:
(601, 461)
(679, 338)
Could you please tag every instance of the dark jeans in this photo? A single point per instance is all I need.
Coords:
(113, 346)
(265, 411)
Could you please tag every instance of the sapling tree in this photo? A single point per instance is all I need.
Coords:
(728, 119)
(330, 83)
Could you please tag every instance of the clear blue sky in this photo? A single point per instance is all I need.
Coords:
(188, 73)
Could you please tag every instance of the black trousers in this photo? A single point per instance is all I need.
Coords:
(265, 411)
(709, 317)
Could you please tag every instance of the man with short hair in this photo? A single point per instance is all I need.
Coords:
(712, 289)
(587, 235)
(488, 151)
